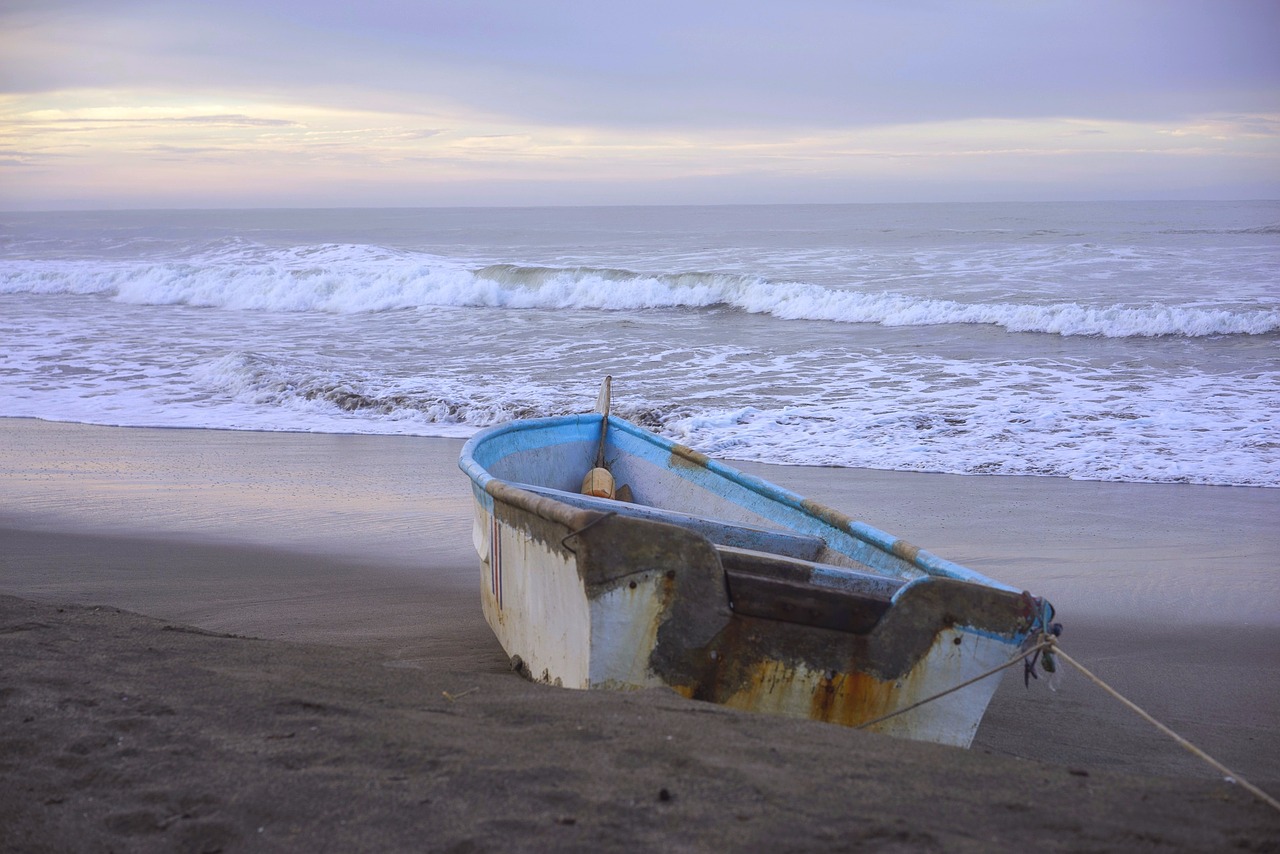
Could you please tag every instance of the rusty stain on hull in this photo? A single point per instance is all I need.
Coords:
(739, 675)
(759, 665)
(684, 456)
(905, 550)
(832, 517)
(851, 698)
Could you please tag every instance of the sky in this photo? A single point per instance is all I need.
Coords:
(112, 104)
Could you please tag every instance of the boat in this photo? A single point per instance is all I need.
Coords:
(615, 558)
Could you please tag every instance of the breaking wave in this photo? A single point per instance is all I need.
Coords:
(352, 279)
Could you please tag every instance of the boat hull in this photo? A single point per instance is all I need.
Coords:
(853, 625)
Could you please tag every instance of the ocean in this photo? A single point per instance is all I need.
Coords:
(1100, 341)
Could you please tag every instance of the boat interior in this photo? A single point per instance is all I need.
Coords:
(771, 574)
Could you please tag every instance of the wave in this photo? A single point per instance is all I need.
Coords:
(1068, 426)
(345, 279)
(1007, 417)
(1260, 230)
(292, 385)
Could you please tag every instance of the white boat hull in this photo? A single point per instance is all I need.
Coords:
(589, 594)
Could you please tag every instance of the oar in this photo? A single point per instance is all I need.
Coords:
(602, 406)
(599, 482)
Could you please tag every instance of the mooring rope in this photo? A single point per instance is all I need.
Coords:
(1048, 642)
(1044, 644)
(1231, 776)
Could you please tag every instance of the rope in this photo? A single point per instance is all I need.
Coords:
(1044, 644)
(596, 521)
(1224, 770)
(1049, 642)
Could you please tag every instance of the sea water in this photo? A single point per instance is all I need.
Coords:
(1107, 341)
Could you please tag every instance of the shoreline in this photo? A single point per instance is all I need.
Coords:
(366, 496)
(362, 544)
(465, 433)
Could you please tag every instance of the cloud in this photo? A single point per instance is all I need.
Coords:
(158, 121)
(234, 121)
(385, 96)
(728, 64)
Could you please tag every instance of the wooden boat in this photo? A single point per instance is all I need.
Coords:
(723, 587)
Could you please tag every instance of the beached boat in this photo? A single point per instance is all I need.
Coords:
(721, 586)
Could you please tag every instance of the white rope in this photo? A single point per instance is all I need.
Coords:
(1044, 644)
(1048, 642)
(1231, 776)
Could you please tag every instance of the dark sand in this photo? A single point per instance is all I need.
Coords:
(311, 599)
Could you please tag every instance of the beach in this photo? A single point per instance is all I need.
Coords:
(219, 640)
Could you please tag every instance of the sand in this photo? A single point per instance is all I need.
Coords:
(312, 670)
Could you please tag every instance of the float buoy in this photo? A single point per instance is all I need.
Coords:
(598, 483)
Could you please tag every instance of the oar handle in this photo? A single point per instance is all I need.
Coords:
(602, 406)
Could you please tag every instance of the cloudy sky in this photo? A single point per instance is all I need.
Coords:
(231, 103)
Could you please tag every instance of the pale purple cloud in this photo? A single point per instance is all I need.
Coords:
(679, 63)
(768, 95)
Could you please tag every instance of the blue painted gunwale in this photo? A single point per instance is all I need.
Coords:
(857, 540)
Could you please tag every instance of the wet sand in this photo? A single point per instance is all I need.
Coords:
(310, 599)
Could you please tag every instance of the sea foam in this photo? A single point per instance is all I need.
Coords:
(352, 279)
(846, 335)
